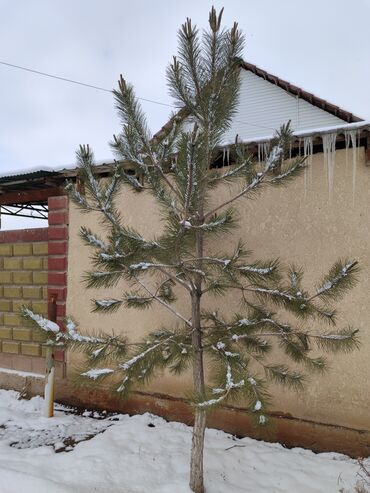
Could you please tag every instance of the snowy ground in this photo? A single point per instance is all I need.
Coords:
(142, 454)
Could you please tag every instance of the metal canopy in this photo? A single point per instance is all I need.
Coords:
(26, 194)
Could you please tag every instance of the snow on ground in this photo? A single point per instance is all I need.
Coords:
(144, 453)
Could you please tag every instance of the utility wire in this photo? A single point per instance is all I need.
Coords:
(71, 81)
(98, 88)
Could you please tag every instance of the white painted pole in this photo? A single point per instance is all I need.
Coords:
(48, 411)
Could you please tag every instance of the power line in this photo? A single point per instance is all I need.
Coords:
(71, 81)
(254, 125)
(98, 88)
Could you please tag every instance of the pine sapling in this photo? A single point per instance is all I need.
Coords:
(189, 257)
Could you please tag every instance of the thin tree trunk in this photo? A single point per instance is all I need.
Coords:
(196, 463)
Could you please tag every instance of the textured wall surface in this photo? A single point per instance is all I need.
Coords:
(298, 223)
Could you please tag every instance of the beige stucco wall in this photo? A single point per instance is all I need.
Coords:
(300, 225)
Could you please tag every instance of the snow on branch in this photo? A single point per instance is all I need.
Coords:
(343, 340)
(107, 304)
(142, 266)
(133, 181)
(42, 322)
(97, 372)
(273, 293)
(339, 278)
(230, 384)
(58, 335)
(291, 171)
(77, 197)
(91, 239)
(257, 270)
(128, 364)
(72, 334)
(274, 157)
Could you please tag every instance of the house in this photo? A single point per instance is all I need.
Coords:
(317, 218)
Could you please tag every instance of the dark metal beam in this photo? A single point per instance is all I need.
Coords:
(30, 196)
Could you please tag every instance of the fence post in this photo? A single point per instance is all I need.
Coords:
(48, 411)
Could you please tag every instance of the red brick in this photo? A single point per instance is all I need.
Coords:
(61, 323)
(58, 202)
(61, 310)
(59, 355)
(58, 217)
(38, 365)
(59, 292)
(57, 278)
(58, 248)
(5, 360)
(24, 235)
(60, 370)
(55, 263)
(58, 233)
(22, 363)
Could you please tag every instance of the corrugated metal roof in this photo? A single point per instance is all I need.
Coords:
(33, 175)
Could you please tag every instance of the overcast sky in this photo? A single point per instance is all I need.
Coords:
(322, 46)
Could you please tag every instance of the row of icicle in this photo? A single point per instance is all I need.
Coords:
(352, 139)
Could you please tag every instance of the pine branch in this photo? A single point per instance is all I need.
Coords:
(163, 303)
(341, 277)
(344, 340)
(281, 374)
(106, 305)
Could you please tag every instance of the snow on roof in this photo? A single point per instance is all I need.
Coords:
(361, 125)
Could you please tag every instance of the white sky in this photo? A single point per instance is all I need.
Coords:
(320, 45)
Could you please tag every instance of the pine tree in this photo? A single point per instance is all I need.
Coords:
(183, 260)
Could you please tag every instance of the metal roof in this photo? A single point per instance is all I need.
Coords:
(30, 188)
(33, 175)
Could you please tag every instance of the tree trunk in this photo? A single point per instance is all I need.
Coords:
(196, 463)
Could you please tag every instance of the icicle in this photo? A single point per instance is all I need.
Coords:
(352, 137)
(308, 146)
(328, 144)
(263, 151)
(347, 141)
(228, 156)
(307, 153)
(260, 151)
(223, 156)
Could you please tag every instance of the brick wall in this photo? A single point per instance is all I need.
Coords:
(23, 281)
(33, 271)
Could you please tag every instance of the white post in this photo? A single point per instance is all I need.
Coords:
(48, 411)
